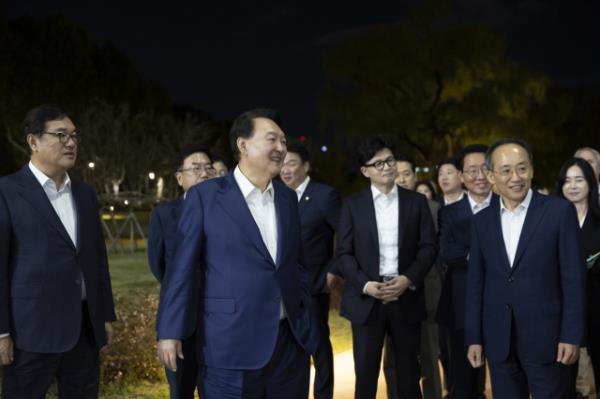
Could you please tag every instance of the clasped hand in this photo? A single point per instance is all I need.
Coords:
(390, 290)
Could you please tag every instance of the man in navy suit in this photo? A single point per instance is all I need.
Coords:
(192, 167)
(455, 226)
(386, 246)
(55, 290)
(525, 301)
(319, 207)
(243, 230)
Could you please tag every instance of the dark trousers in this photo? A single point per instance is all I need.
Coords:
(465, 382)
(367, 344)
(77, 371)
(444, 342)
(323, 358)
(285, 376)
(183, 383)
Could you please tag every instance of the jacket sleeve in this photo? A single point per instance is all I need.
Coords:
(332, 212)
(474, 292)
(5, 242)
(346, 259)
(452, 252)
(156, 246)
(427, 246)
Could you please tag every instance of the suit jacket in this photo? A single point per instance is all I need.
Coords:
(358, 252)
(590, 232)
(40, 268)
(162, 236)
(319, 209)
(243, 288)
(543, 293)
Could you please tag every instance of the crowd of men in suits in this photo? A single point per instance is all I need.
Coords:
(492, 272)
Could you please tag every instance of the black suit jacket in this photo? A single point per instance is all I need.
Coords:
(319, 209)
(590, 235)
(40, 268)
(358, 252)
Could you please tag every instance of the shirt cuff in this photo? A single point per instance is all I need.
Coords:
(365, 287)
(4, 335)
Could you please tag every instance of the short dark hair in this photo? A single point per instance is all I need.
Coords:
(429, 185)
(36, 118)
(298, 148)
(445, 161)
(521, 143)
(371, 146)
(188, 150)
(243, 125)
(590, 177)
(218, 158)
(470, 149)
(405, 158)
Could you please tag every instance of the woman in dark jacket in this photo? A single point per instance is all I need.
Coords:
(577, 183)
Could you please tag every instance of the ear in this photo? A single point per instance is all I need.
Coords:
(179, 177)
(460, 176)
(241, 145)
(306, 167)
(490, 177)
(32, 142)
(363, 170)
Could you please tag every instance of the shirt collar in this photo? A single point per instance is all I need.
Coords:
(521, 207)
(246, 185)
(302, 187)
(45, 180)
(377, 194)
(461, 195)
(483, 204)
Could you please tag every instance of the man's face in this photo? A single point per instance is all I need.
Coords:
(590, 157)
(405, 175)
(474, 176)
(449, 179)
(196, 168)
(265, 150)
(49, 152)
(220, 168)
(294, 171)
(512, 172)
(385, 176)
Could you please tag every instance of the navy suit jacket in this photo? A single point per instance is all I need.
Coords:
(319, 209)
(543, 293)
(162, 236)
(243, 288)
(455, 236)
(40, 268)
(358, 252)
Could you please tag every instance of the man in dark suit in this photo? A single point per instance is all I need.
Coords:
(55, 287)
(243, 229)
(525, 302)
(455, 224)
(319, 207)
(192, 167)
(386, 246)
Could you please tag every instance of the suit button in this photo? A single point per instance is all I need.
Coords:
(511, 279)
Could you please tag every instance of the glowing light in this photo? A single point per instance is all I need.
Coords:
(126, 202)
(91, 165)
(324, 148)
(112, 208)
(302, 138)
(151, 176)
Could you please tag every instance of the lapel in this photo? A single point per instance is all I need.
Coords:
(496, 227)
(532, 219)
(305, 199)
(32, 192)
(404, 205)
(281, 213)
(465, 205)
(368, 206)
(78, 201)
(232, 201)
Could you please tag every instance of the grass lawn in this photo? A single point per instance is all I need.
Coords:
(131, 277)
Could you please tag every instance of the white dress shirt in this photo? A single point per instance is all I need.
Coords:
(386, 216)
(61, 200)
(512, 225)
(477, 207)
(302, 187)
(262, 208)
(462, 194)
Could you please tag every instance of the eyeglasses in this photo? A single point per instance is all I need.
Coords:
(379, 165)
(65, 137)
(521, 170)
(473, 172)
(199, 169)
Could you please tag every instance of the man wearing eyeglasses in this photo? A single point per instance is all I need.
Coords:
(386, 245)
(56, 301)
(193, 166)
(526, 281)
(465, 382)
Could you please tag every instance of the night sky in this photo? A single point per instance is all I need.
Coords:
(225, 57)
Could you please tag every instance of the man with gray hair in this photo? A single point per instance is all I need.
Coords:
(592, 156)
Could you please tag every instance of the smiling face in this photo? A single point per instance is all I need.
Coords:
(294, 171)
(405, 177)
(382, 179)
(196, 168)
(575, 188)
(511, 173)
(48, 153)
(473, 174)
(264, 151)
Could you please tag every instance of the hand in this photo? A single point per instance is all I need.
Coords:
(567, 353)
(394, 288)
(374, 289)
(168, 350)
(109, 332)
(6, 351)
(475, 356)
(332, 282)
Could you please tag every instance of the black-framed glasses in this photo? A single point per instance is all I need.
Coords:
(65, 137)
(199, 169)
(379, 165)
